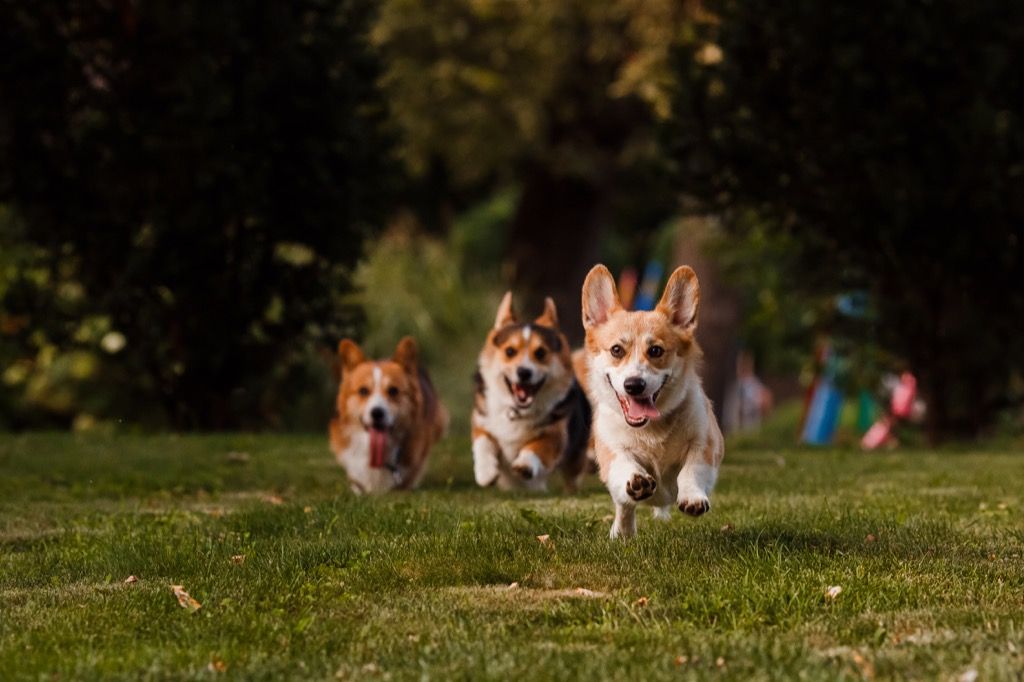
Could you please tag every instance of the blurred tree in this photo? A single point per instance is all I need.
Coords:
(557, 97)
(201, 173)
(884, 145)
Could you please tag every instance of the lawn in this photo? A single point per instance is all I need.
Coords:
(300, 579)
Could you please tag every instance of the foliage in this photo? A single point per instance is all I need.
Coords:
(926, 547)
(194, 178)
(884, 148)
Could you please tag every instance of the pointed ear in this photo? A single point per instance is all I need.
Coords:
(407, 354)
(505, 315)
(681, 297)
(350, 354)
(549, 318)
(600, 298)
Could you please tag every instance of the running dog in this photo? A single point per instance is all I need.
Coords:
(388, 418)
(530, 416)
(655, 435)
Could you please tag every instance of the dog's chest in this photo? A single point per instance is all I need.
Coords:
(355, 459)
(509, 431)
(660, 448)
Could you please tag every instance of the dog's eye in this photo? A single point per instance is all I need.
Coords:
(617, 351)
(655, 352)
(510, 352)
(364, 391)
(540, 353)
(392, 391)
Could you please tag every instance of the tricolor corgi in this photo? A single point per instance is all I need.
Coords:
(655, 436)
(388, 418)
(530, 416)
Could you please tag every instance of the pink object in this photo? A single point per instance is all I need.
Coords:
(903, 396)
(877, 435)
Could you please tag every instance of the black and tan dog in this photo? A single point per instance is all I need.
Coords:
(530, 416)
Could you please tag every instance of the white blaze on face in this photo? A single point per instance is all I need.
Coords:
(377, 399)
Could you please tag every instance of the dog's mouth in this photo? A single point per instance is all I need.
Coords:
(524, 393)
(638, 410)
(380, 445)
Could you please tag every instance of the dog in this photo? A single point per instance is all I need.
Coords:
(656, 439)
(530, 415)
(388, 417)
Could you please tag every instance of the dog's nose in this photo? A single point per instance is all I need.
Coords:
(524, 374)
(377, 415)
(634, 385)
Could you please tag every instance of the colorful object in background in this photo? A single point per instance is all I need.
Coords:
(903, 407)
(867, 410)
(824, 401)
(627, 287)
(647, 297)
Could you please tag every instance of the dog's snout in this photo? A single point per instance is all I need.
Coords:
(377, 415)
(524, 374)
(634, 385)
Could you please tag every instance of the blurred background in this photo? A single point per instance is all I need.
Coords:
(199, 199)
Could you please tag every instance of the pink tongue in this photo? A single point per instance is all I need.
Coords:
(378, 448)
(641, 409)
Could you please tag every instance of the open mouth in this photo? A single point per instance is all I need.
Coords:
(638, 410)
(524, 393)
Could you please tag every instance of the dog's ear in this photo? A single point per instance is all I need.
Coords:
(407, 354)
(506, 315)
(679, 301)
(548, 318)
(350, 354)
(600, 297)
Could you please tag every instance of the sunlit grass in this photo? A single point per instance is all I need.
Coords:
(928, 549)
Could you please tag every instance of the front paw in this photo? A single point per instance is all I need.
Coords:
(485, 471)
(527, 466)
(695, 506)
(641, 486)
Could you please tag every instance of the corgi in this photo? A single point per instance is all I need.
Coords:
(388, 417)
(656, 439)
(530, 415)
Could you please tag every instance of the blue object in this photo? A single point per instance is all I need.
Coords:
(647, 297)
(823, 416)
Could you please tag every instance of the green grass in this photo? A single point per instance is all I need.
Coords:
(415, 586)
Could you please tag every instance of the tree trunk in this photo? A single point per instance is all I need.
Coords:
(553, 243)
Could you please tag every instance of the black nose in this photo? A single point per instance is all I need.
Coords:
(524, 374)
(377, 414)
(634, 385)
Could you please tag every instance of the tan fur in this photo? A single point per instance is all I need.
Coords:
(397, 384)
(673, 458)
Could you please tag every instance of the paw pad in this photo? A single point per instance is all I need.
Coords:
(641, 486)
(695, 507)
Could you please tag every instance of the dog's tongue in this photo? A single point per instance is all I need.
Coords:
(641, 408)
(378, 448)
(522, 392)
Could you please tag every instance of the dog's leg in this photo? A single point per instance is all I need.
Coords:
(628, 484)
(696, 479)
(663, 513)
(539, 456)
(485, 460)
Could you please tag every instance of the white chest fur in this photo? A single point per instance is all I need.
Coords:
(356, 460)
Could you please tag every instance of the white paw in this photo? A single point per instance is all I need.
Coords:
(662, 513)
(694, 503)
(527, 465)
(485, 469)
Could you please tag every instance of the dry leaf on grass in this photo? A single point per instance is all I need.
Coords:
(870, 538)
(308, 510)
(273, 499)
(186, 600)
(238, 559)
(584, 592)
(545, 540)
(513, 586)
(727, 528)
(832, 592)
(131, 580)
(216, 665)
(642, 601)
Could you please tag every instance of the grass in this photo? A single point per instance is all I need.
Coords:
(927, 547)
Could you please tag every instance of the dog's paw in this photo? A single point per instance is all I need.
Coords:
(527, 465)
(694, 506)
(485, 471)
(641, 486)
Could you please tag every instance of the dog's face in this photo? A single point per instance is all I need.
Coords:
(379, 396)
(526, 359)
(639, 360)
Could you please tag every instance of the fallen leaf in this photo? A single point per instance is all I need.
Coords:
(867, 669)
(185, 600)
(308, 510)
(217, 666)
(720, 662)
(642, 601)
(131, 580)
(238, 559)
(727, 528)
(273, 499)
(544, 539)
(584, 592)
(870, 538)
(513, 586)
(969, 675)
(833, 591)
(681, 660)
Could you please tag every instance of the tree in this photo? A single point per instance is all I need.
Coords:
(558, 98)
(885, 144)
(204, 172)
